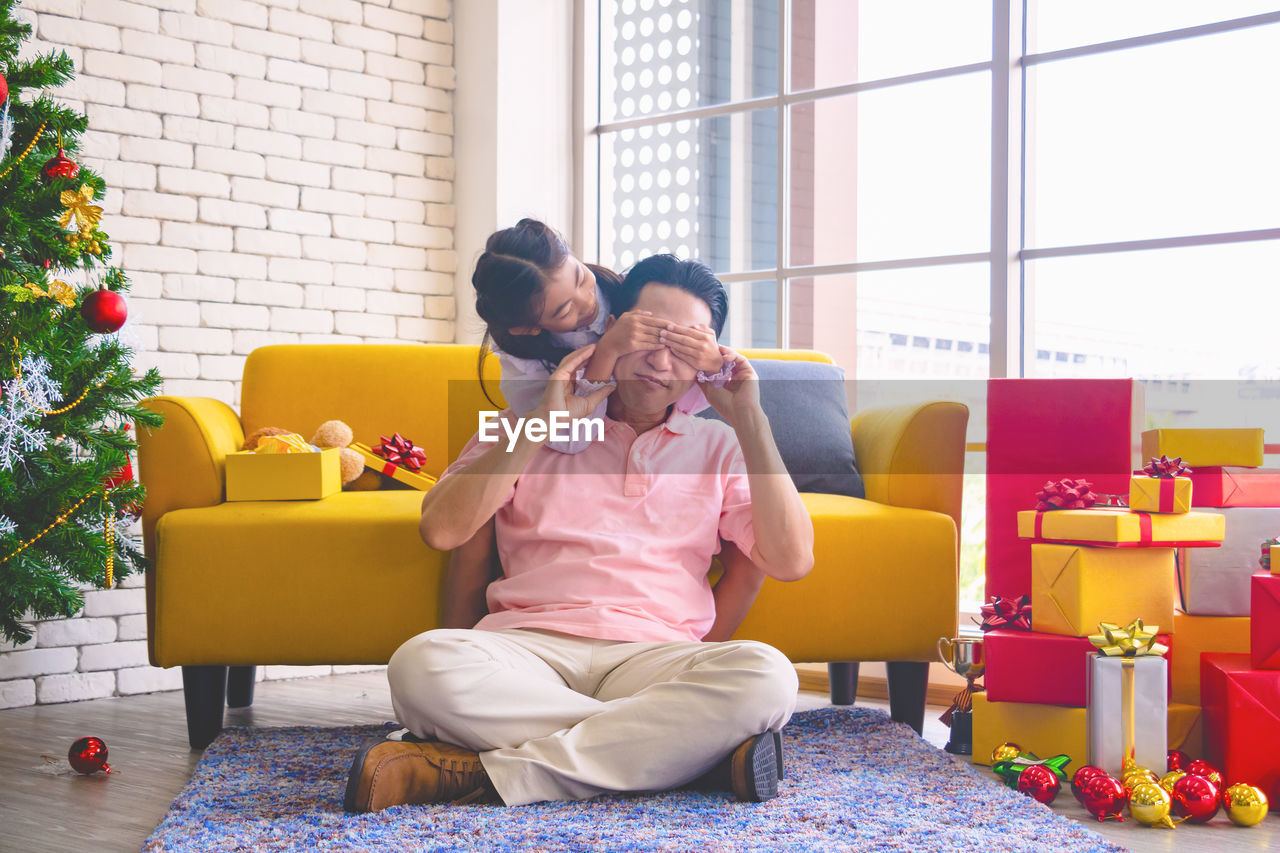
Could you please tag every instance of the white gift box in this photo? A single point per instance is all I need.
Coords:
(1215, 581)
(1106, 719)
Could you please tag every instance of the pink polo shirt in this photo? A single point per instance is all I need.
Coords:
(615, 542)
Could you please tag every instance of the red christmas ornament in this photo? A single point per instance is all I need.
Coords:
(1082, 778)
(4, 89)
(1104, 797)
(61, 166)
(104, 310)
(88, 755)
(1039, 783)
(1200, 767)
(1178, 760)
(1195, 798)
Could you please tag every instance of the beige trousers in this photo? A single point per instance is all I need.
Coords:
(556, 717)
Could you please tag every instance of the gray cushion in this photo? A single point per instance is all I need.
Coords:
(808, 411)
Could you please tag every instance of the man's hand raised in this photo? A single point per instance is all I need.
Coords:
(740, 397)
(559, 395)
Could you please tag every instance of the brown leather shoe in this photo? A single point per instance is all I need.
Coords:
(389, 773)
(754, 768)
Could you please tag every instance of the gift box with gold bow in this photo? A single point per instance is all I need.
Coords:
(1128, 698)
(1075, 587)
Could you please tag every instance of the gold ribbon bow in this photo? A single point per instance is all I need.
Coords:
(77, 204)
(58, 290)
(1131, 641)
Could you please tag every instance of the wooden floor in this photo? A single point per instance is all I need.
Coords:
(147, 739)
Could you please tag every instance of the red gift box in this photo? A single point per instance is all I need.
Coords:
(1241, 709)
(1043, 669)
(1041, 430)
(1235, 486)
(1264, 621)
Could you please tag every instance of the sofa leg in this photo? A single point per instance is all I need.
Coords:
(240, 686)
(908, 683)
(204, 689)
(843, 675)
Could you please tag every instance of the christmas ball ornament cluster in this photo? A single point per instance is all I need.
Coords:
(1189, 791)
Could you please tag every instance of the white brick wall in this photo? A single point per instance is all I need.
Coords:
(278, 171)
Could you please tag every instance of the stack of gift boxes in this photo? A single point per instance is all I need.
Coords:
(1183, 556)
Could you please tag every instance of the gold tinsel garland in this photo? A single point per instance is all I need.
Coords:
(25, 151)
(60, 519)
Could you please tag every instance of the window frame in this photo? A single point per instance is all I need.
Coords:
(1012, 350)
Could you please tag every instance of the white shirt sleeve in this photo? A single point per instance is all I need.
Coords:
(524, 380)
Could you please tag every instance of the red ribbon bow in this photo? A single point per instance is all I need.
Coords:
(1164, 467)
(399, 450)
(1066, 494)
(1007, 613)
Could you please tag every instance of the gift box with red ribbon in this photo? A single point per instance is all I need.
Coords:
(1119, 527)
(1264, 623)
(398, 458)
(1032, 666)
(1163, 486)
(1221, 486)
(1041, 430)
(1241, 707)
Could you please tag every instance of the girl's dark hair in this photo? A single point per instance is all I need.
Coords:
(690, 276)
(509, 279)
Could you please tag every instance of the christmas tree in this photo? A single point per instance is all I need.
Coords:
(67, 390)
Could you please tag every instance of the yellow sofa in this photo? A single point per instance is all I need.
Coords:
(346, 579)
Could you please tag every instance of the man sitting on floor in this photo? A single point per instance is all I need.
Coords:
(589, 676)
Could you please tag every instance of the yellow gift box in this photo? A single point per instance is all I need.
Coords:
(1151, 494)
(1185, 729)
(1049, 730)
(1074, 587)
(1195, 635)
(418, 480)
(1119, 526)
(283, 476)
(1046, 730)
(1208, 447)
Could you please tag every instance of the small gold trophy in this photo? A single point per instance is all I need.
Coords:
(963, 656)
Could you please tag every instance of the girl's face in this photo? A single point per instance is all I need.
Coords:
(568, 300)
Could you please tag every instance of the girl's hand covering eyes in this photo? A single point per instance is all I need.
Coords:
(693, 344)
(633, 331)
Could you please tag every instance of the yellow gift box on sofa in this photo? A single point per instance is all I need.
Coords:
(1208, 447)
(1074, 587)
(283, 476)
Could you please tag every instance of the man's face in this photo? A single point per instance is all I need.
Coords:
(651, 380)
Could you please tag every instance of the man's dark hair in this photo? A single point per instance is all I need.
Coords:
(690, 276)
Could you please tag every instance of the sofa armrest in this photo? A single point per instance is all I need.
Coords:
(913, 455)
(181, 464)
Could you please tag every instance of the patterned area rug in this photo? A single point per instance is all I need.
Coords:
(855, 780)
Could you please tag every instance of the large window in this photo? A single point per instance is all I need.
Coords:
(952, 188)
